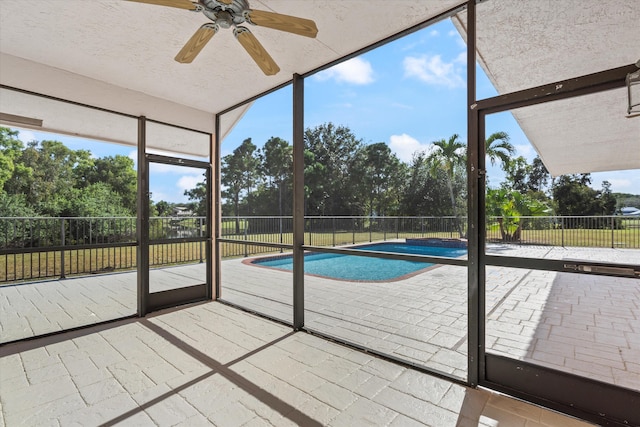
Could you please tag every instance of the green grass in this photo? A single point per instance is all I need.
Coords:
(17, 267)
(628, 237)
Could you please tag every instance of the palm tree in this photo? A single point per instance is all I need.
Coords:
(498, 147)
(508, 207)
(448, 156)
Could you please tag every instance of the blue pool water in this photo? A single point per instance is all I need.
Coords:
(361, 268)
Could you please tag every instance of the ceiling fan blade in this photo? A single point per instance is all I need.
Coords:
(195, 44)
(225, 1)
(181, 4)
(256, 51)
(278, 21)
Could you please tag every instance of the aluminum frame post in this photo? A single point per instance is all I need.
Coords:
(142, 229)
(298, 202)
(475, 210)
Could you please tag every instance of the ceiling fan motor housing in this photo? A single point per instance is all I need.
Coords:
(225, 15)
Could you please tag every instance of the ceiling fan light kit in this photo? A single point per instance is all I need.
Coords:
(225, 14)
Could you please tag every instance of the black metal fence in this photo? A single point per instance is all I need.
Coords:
(594, 231)
(38, 248)
(567, 231)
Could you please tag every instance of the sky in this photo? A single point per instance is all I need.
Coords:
(407, 94)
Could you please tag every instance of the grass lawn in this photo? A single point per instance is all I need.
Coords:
(16, 267)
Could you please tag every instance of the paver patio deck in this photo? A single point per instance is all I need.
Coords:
(210, 364)
(588, 325)
(38, 308)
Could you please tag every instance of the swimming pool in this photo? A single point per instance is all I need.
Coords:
(364, 269)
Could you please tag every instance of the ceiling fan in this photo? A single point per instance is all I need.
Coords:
(232, 13)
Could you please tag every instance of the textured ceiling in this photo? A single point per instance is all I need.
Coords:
(132, 45)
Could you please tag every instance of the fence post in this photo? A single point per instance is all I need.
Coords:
(613, 243)
(62, 240)
(562, 230)
(281, 241)
(370, 224)
(353, 230)
(201, 242)
(384, 229)
(333, 230)
(246, 227)
(397, 228)
(452, 226)
(523, 223)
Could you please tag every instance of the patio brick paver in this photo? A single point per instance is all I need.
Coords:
(581, 324)
(219, 377)
(38, 308)
(560, 320)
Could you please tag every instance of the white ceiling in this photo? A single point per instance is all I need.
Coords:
(132, 45)
(119, 55)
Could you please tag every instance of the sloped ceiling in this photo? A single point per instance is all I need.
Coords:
(119, 55)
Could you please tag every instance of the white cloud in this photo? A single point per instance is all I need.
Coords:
(401, 106)
(405, 145)
(461, 58)
(134, 156)
(355, 71)
(188, 182)
(433, 70)
(622, 181)
(343, 105)
(26, 136)
(525, 150)
(434, 33)
(458, 38)
(156, 196)
(620, 184)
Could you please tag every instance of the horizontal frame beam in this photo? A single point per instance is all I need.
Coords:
(175, 297)
(583, 85)
(560, 265)
(256, 243)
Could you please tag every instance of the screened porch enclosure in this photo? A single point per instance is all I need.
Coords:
(540, 317)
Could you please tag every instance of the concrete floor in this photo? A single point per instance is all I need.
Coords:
(38, 308)
(587, 325)
(210, 364)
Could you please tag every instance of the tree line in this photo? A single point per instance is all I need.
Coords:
(46, 178)
(342, 176)
(49, 179)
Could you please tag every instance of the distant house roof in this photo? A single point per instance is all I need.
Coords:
(182, 211)
(630, 211)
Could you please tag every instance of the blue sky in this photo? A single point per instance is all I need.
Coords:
(407, 94)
